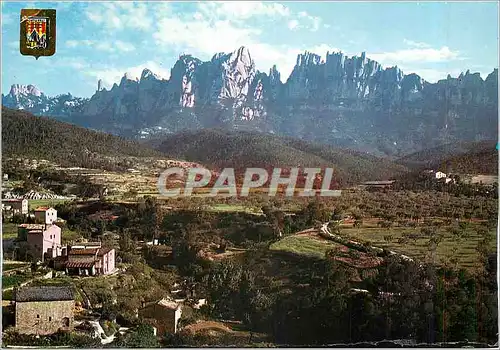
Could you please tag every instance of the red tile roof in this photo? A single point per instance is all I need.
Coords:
(32, 226)
(82, 251)
(80, 264)
(42, 209)
(104, 251)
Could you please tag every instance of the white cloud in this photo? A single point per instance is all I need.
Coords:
(202, 36)
(108, 46)
(412, 43)
(239, 11)
(243, 9)
(111, 75)
(293, 24)
(284, 58)
(416, 55)
(124, 46)
(120, 15)
(316, 22)
(195, 34)
(65, 61)
(306, 21)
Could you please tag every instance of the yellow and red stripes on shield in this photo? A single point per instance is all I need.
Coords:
(38, 24)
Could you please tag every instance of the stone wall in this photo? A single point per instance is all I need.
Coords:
(43, 317)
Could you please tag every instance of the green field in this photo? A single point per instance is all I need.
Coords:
(11, 266)
(9, 230)
(35, 203)
(303, 245)
(12, 281)
(234, 208)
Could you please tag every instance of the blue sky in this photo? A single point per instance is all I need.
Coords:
(103, 40)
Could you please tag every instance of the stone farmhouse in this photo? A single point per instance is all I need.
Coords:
(163, 314)
(44, 310)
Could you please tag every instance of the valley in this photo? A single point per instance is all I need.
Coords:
(248, 260)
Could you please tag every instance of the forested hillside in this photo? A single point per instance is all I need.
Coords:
(240, 149)
(28, 136)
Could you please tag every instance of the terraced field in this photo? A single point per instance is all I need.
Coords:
(450, 248)
(462, 252)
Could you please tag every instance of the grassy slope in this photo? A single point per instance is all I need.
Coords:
(303, 245)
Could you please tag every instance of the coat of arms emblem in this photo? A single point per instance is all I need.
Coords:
(38, 32)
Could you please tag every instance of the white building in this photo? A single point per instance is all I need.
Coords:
(44, 215)
(17, 206)
(439, 175)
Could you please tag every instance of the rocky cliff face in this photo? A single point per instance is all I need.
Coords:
(350, 101)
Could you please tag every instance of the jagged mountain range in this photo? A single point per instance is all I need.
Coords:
(346, 101)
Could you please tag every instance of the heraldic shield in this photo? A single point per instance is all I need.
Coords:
(38, 32)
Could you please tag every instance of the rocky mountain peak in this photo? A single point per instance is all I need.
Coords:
(337, 98)
(148, 74)
(393, 74)
(307, 58)
(242, 55)
(274, 74)
(127, 78)
(100, 87)
(26, 90)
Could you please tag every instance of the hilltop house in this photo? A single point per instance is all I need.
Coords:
(45, 215)
(89, 259)
(44, 241)
(44, 310)
(439, 175)
(16, 206)
(164, 315)
(435, 174)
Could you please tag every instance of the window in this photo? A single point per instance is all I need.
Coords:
(50, 318)
(37, 316)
